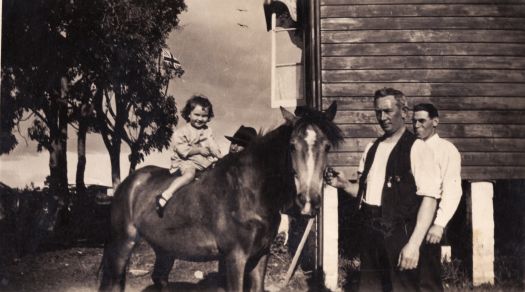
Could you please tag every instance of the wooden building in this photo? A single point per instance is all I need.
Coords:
(465, 56)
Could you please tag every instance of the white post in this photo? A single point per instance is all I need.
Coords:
(482, 213)
(273, 62)
(330, 237)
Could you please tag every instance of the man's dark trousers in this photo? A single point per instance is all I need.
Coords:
(430, 267)
(380, 251)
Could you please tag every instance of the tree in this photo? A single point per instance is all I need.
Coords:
(55, 51)
(36, 71)
(82, 117)
(10, 114)
(121, 42)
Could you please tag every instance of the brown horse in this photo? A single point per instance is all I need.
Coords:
(231, 213)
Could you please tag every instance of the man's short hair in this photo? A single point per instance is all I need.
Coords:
(429, 108)
(398, 95)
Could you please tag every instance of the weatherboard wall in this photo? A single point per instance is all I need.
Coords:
(465, 56)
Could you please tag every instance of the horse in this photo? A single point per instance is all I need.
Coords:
(232, 212)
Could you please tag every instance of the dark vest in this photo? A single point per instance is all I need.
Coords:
(399, 202)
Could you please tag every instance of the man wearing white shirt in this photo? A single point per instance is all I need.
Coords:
(398, 188)
(448, 159)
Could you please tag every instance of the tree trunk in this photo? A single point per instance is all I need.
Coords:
(57, 153)
(132, 165)
(81, 152)
(114, 156)
(58, 168)
(133, 160)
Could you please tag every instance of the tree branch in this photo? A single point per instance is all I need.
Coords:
(20, 133)
(31, 113)
(108, 104)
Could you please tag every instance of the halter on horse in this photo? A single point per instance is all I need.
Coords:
(231, 213)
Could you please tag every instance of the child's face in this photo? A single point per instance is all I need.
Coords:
(199, 117)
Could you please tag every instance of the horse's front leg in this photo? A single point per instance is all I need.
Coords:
(162, 268)
(235, 263)
(258, 273)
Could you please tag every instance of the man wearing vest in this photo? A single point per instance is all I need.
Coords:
(398, 187)
(448, 160)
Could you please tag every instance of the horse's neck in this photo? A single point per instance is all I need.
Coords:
(275, 167)
(273, 152)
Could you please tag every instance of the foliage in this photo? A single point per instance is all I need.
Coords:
(67, 59)
(121, 43)
(35, 71)
(33, 63)
(9, 114)
(455, 274)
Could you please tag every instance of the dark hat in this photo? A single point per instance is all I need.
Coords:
(243, 136)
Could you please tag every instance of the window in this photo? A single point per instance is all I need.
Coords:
(287, 56)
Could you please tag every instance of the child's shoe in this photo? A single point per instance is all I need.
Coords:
(158, 206)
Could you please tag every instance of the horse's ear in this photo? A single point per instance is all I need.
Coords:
(288, 116)
(330, 112)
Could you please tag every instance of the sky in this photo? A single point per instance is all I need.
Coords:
(225, 50)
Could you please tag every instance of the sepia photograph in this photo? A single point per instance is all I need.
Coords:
(262, 145)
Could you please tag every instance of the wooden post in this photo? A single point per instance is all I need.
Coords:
(330, 238)
(298, 252)
(273, 62)
(482, 212)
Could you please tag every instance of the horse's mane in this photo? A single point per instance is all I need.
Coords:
(308, 116)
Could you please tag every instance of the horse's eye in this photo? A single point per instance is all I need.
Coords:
(327, 147)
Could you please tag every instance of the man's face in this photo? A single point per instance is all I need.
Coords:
(390, 116)
(234, 148)
(424, 126)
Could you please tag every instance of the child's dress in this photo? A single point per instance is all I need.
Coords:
(187, 137)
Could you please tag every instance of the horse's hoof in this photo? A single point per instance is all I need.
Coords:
(160, 284)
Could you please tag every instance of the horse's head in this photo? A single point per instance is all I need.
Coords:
(313, 135)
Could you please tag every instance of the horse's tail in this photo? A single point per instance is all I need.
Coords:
(123, 232)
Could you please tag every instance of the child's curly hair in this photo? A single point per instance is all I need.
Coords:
(194, 101)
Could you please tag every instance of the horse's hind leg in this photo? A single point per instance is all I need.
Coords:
(115, 261)
(161, 271)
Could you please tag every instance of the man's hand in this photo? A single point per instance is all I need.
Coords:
(408, 257)
(339, 181)
(335, 178)
(435, 233)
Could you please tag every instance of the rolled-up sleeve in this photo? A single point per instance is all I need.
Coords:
(452, 191)
(425, 170)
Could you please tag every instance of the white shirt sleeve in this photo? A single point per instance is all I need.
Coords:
(451, 186)
(425, 170)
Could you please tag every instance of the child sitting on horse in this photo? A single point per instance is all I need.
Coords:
(194, 146)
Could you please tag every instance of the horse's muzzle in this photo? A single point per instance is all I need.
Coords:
(308, 206)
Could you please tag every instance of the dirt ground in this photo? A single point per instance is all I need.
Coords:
(76, 269)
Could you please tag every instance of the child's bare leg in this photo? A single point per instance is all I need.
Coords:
(188, 174)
